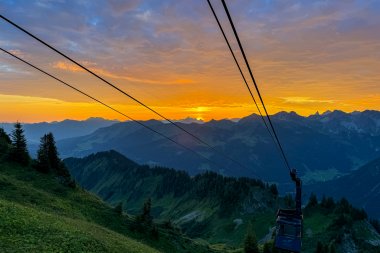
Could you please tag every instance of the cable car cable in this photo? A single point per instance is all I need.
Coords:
(255, 84)
(241, 72)
(110, 107)
(125, 93)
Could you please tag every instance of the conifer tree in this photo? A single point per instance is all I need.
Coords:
(19, 152)
(266, 248)
(313, 201)
(319, 248)
(250, 241)
(48, 160)
(273, 189)
(52, 152)
(43, 163)
(146, 215)
(5, 142)
(119, 208)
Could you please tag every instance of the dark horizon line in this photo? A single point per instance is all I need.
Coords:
(191, 118)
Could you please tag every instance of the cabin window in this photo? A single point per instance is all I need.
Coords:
(289, 230)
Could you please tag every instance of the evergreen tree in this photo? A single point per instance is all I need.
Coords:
(43, 163)
(47, 155)
(146, 215)
(48, 160)
(52, 152)
(250, 242)
(266, 248)
(273, 189)
(313, 201)
(154, 232)
(119, 208)
(319, 248)
(19, 152)
(5, 142)
(144, 220)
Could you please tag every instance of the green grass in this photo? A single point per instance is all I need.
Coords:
(38, 214)
(27, 229)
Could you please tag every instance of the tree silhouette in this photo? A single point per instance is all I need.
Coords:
(250, 241)
(43, 162)
(49, 161)
(5, 142)
(19, 152)
(313, 201)
(319, 248)
(47, 155)
(119, 208)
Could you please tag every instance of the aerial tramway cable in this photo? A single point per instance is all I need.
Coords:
(222, 154)
(256, 86)
(241, 72)
(289, 222)
(110, 107)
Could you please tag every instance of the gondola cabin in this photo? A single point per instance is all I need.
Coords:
(288, 231)
(289, 222)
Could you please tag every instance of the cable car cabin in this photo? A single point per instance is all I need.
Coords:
(288, 230)
(289, 223)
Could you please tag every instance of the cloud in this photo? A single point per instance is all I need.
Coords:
(102, 72)
(144, 16)
(121, 6)
(306, 100)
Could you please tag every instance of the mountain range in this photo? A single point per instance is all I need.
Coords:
(61, 129)
(320, 146)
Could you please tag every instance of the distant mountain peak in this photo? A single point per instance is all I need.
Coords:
(292, 115)
(190, 120)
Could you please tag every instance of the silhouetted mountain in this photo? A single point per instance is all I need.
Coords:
(321, 147)
(361, 187)
(61, 129)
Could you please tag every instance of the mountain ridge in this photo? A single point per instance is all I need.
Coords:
(311, 144)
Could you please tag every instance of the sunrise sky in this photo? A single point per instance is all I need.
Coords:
(307, 56)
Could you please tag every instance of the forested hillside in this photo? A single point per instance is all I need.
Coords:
(43, 210)
(361, 187)
(216, 208)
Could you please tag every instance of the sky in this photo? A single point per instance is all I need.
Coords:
(306, 56)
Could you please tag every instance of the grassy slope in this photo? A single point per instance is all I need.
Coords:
(115, 178)
(37, 214)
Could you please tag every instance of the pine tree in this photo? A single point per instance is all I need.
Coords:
(146, 215)
(313, 201)
(119, 208)
(250, 242)
(19, 152)
(319, 248)
(266, 248)
(5, 142)
(52, 152)
(273, 189)
(43, 162)
(48, 160)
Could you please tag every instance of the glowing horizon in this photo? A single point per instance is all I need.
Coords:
(307, 57)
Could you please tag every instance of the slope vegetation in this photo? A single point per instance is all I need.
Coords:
(219, 209)
(39, 214)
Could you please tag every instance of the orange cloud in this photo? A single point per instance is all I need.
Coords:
(102, 72)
